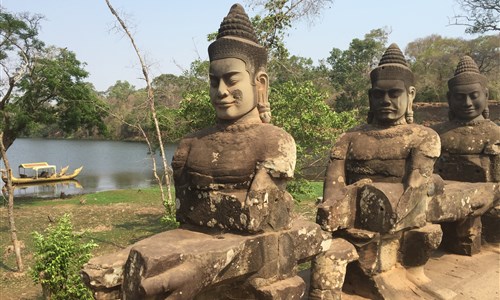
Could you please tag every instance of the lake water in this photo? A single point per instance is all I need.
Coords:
(107, 165)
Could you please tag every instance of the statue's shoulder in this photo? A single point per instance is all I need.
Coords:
(423, 129)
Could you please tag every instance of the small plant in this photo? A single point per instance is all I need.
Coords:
(59, 256)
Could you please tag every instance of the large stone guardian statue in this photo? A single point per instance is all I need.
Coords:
(389, 149)
(238, 237)
(470, 153)
(377, 185)
(233, 175)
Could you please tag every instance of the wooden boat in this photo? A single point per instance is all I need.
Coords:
(40, 172)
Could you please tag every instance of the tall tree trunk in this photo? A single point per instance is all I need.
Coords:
(10, 191)
(169, 204)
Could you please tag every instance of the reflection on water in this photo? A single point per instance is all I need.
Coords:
(107, 165)
(57, 189)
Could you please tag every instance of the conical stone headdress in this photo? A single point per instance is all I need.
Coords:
(467, 72)
(237, 39)
(393, 65)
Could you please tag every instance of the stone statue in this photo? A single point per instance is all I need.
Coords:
(470, 152)
(237, 239)
(232, 176)
(377, 185)
(388, 149)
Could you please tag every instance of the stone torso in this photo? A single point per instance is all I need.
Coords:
(384, 153)
(470, 151)
(214, 169)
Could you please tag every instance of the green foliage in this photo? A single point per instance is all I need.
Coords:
(350, 69)
(300, 109)
(44, 85)
(277, 17)
(59, 256)
(196, 110)
(433, 60)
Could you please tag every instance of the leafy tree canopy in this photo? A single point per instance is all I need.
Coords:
(349, 69)
(42, 86)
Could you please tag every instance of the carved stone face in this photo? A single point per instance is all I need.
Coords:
(231, 90)
(389, 100)
(467, 101)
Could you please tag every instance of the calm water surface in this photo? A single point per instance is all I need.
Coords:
(107, 165)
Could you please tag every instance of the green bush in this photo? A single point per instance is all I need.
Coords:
(59, 256)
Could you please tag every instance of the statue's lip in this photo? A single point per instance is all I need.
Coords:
(225, 104)
(386, 110)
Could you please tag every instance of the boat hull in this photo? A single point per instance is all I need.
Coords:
(16, 180)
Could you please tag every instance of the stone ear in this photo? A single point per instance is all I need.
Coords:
(412, 92)
(262, 88)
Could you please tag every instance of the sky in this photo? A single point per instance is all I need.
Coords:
(171, 34)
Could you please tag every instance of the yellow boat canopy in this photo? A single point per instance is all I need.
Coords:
(37, 166)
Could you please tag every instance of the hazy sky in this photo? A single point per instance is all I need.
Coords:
(172, 33)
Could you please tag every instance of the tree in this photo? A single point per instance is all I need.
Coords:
(349, 70)
(433, 60)
(167, 202)
(10, 206)
(300, 109)
(480, 15)
(42, 85)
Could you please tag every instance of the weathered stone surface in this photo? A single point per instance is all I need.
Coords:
(288, 289)
(184, 263)
(328, 270)
(384, 207)
(232, 176)
(491, 225)
(460, 200)
(340, 213)
(470, 153)
(463, 236)
(104, 274)
(214, 190)
(418, 244)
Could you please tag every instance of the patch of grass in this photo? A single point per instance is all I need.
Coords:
(315, 190)
(144, 196)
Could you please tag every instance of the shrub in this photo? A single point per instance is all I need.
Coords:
(59, 256)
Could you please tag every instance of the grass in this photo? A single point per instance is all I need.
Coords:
(112, 219)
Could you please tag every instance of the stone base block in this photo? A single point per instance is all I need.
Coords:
(463, 237)
(328, 270)
(418, 244)
(491, 225)
(288, 289)
(188, 264)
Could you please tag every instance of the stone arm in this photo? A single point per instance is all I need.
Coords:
(179, 161)
(418, 183)
(261, 184)
(335, 181)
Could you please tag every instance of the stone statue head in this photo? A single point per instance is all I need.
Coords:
(467, 92)
(392, 93)
(238, 80)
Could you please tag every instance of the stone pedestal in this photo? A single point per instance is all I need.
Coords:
(328, 270)
(190, 264)
(463, 236)
(418, 244)
(491, 225)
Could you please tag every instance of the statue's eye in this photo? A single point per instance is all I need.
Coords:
(395, 93)
(459, 97)
(474, 95)
(378, 93)
(214, 82)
